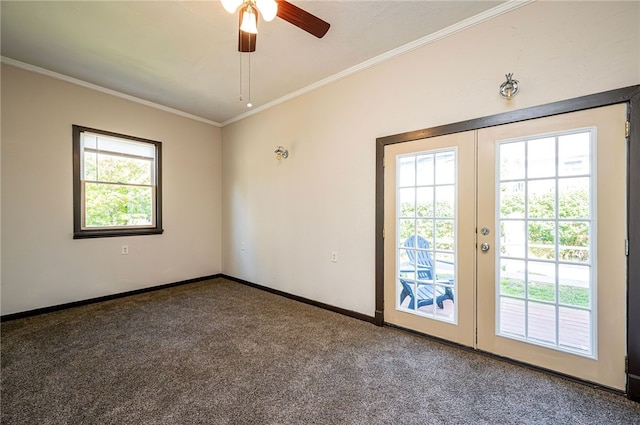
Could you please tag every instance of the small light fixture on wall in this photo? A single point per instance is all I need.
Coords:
(509, 88)
(281, 153)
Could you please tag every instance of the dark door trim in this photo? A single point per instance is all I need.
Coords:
(629, 95)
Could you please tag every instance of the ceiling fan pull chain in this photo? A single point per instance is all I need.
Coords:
(240, 64)
(249, 105)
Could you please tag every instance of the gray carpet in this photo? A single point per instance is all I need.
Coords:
(218, 352)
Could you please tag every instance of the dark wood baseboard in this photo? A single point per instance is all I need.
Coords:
(379, 318)
(350, 313)
(633, 387)
(79, 303)
(65, 306)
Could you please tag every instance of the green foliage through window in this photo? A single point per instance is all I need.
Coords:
(573, 236)
(117, 205)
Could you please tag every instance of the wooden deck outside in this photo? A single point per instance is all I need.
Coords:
(573, 329)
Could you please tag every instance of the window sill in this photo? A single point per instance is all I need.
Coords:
(86, 234)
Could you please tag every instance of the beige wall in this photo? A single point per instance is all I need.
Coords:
(41, 264)
(290, 215)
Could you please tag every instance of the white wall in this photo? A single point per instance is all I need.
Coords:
(292, 214)
(41, 264)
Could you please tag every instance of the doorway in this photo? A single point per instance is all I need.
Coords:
(511, 240)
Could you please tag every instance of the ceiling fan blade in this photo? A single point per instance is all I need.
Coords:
(246, 42)
(302, 19)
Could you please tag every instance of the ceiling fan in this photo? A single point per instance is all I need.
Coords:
(269, 9)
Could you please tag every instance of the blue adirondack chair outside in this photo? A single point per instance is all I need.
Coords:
(424, 271)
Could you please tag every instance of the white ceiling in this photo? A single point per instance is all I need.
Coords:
(183, 54)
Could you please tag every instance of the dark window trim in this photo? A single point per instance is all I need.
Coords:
(78, 232)
(629, 95)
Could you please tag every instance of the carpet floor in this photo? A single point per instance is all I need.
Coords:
(219, 352)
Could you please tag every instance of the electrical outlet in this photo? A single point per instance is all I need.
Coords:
(125, 249)
(334, 257)
(242, 246)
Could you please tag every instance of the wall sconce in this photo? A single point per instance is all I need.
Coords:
(281, 153)
(509, 88)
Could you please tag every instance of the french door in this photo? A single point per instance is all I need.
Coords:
(511, 240)
(430, 236)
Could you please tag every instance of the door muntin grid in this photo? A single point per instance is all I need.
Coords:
(546, 240)
(426, 194)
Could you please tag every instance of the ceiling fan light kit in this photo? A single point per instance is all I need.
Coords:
(269, 9)
(248, 20)
(230, 5)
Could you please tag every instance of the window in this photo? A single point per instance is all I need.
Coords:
(116, 184)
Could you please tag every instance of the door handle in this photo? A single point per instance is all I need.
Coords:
(485, 247)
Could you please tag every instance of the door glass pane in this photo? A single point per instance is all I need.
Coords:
(574, 285)
(513, 238)
(512, 196)
(512, 161)
(545, 279)
(574, 241)
(444, 235)
(444, 266)
(405, 263)
(541, 157)
(573, 198)
(445, 201)
(541, 322)
(573, 154)
(425, 170)
(445, 168)
(406, 228)
(426, 257)
(541, 199)
(406, 171)
(512, 317)
(407, 201)
(542, 235)
(512, 279)
(541, 281)
(424, 208)
(574, 329)
(424, 228)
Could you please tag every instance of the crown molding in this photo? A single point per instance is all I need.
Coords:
(101, 89)
(445, 32)
(503, 8)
